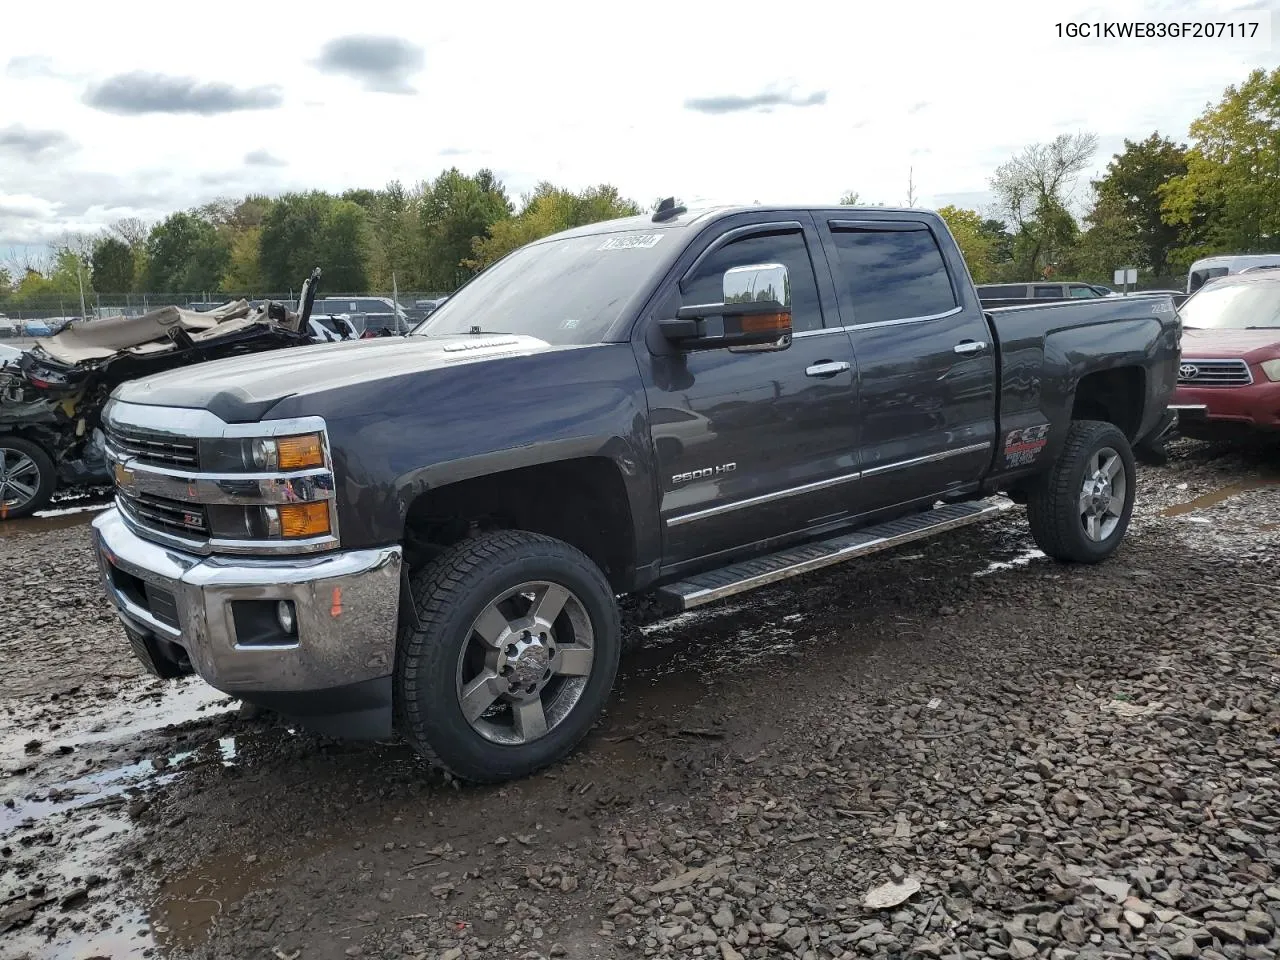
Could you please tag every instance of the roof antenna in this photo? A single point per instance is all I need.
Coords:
(667, 210)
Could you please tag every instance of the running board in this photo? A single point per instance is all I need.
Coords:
(750, 574)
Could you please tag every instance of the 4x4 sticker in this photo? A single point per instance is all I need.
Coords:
(1021, 447)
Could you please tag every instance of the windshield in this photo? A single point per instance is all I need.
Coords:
(1233, 306)
(566, 292)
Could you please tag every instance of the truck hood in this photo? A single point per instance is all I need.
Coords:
(1251, 345)
(244, 389)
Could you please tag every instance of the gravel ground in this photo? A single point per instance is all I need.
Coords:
(958, 749)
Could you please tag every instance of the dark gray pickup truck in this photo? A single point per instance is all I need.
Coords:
(427, 535)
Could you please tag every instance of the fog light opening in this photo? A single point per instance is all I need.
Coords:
(287, 617)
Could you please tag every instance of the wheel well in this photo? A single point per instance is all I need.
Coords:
(1114, 396)
(582, 502)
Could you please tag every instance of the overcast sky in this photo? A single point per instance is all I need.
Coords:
(138, 109)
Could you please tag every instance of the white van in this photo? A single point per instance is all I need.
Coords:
(1202, 271)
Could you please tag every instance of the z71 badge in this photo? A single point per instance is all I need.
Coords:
(1021, 447)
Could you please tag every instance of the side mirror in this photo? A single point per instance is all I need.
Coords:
(755, 312)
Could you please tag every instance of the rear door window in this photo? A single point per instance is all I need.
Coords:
(1049, 292)
(893, 271)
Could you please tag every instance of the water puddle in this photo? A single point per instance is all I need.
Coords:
(1215, 497)
(1022, 559)
(71, 776)
(135, 707)
(55, 518)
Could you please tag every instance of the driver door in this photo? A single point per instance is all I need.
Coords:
(754, 445)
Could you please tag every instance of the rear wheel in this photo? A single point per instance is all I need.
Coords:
(512, 658)
(26, 478)
(1080, 511)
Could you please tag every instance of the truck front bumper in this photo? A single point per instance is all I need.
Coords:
(216, 616)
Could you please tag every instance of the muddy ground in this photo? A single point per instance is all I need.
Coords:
(1041, 761)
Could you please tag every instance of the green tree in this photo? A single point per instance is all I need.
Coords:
(1032, 192)
(344, 247)
(549, 209)
(244, 271)
(1127, 203)
(112, 265)
(1113, 239)
(1229, 198)
(302, 231)
(849, 198)
(60, 280)
(185, 253)
(975, 242)
(454, 211)
(6, 281)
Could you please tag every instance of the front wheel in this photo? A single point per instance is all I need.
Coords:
(27, 478)
(512, 657)
(1081, 509)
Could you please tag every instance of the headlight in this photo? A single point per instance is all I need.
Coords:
(262, 454)
(1271, 368)
(285, 521)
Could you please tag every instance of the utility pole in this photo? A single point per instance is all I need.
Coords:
(84, 315)
(911, 187)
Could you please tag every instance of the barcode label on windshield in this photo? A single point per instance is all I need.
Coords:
(631, 243)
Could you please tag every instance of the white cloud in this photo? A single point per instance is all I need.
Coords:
(834, 97)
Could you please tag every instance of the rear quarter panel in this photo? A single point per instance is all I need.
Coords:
(1046, 350)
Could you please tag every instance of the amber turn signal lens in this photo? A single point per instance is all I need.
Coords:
(304, 519)
(767, 323)
(297, 453)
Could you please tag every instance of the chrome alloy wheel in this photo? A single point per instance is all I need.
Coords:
(1102, 495)
(525, 663)
(19, 479)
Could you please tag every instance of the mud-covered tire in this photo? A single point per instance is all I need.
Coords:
(449, 594)
(1054, 507)
(31, 452)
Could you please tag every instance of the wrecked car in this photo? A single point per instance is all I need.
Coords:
(51, 397)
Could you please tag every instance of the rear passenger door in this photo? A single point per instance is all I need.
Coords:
(926, 363)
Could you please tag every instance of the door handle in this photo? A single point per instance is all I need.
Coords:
(970, 346)
(826, 368)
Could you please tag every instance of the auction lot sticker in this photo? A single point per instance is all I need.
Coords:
(641, 242)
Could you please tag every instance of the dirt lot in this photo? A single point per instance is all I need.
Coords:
(1053, 761)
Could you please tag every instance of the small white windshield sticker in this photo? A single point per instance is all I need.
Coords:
(631, 243)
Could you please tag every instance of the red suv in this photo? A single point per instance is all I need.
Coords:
(1229, 377)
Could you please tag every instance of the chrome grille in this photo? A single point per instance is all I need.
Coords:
(1214, 373)
(157, 449)
(187, 520)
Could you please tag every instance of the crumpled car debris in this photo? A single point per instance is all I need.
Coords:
(52, 396)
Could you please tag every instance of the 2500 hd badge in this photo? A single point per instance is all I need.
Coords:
(703, 474)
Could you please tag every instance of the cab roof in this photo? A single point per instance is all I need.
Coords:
(700, 216)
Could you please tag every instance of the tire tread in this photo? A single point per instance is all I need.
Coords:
(437, 586)
(1051, 508)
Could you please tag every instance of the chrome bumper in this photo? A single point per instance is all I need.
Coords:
(346, 604)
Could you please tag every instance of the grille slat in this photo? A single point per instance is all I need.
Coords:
(171, 516)
(154, 448)
(1214, 373)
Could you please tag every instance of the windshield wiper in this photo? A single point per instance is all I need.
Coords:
(1265, 326)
